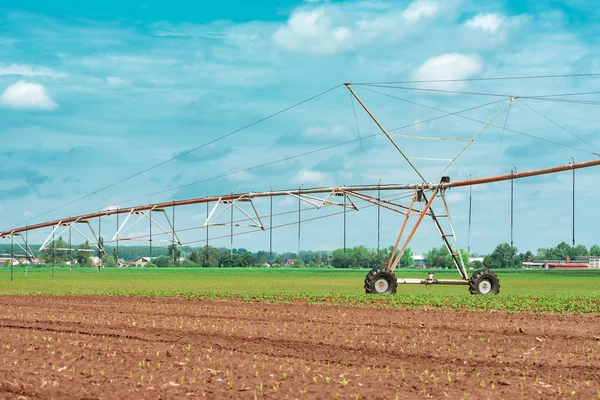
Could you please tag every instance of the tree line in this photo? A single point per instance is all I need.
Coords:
(504, 256)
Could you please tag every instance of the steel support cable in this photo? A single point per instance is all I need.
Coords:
(305, 153)
(558, 125)
(356, 121)
(504, 127)
(482, 122)
(498, 78)
(448, 114)
(543, 96)
(186, 152)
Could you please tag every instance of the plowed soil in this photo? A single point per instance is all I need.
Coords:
(94, 347)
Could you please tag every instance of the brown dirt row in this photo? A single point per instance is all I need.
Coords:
(97, 347)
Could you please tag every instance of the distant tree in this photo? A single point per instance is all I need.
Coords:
(174, 253)
(579, 251)
(82, 255)
(231, 261)
(526, 257)
(464, 255)
(247, 260)
(439, 257)
(595, 251)
(209, 257)
(504, 256)
(51, 254)
(189, 264)
(341, 259)
(406, 261)
(108, 261)
(163, 262)
(195, 256)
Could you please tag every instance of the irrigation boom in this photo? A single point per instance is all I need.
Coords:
(304, 192)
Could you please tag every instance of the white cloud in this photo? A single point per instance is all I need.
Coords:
(313, 31)
(487, 22)
(29, 70)
(420, 9)
(27, 96)
(449, 66)
(307, 176)
(334, 28)
(114, 81)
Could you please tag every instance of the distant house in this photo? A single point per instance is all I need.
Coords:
(289, 262)
(473, 259)
(141, 262)
(121, 263)
(3, 260)
(95, 260)
(419, 261)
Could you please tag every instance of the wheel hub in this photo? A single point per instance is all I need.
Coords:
(381, 285)
(485, 286)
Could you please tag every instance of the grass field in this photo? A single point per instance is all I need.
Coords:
(541, 291)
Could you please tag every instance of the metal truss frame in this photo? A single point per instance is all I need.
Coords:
(143, 215)
(73, 225)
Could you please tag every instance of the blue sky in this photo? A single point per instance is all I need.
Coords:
(90, 94)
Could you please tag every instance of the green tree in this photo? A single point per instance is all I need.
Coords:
(439, 257)
(595, 251)
(209, 256)
(108, 261)
(464, 255)
(231, 261)
(504, 256)
(51, 254)
(82, 255)
(526, 257)
(174, 253)
(247, 260)
(406, 261)
(163, 262)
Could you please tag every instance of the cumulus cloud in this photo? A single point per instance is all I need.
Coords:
(313, 31)
(330, 29)
(307, 176)
(27, 96)
(486, 22)
(114, 81)
(29, 70)
(420, 9)
(449, 66)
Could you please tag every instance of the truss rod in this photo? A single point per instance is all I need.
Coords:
(384, 131)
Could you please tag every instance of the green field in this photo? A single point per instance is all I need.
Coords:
(540, 291)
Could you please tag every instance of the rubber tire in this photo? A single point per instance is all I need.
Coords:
(480, 275)
(378, 273)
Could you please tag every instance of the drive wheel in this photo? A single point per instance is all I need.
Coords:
(381, 281)
(484, 281)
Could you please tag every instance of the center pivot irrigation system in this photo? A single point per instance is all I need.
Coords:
(418, 198)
